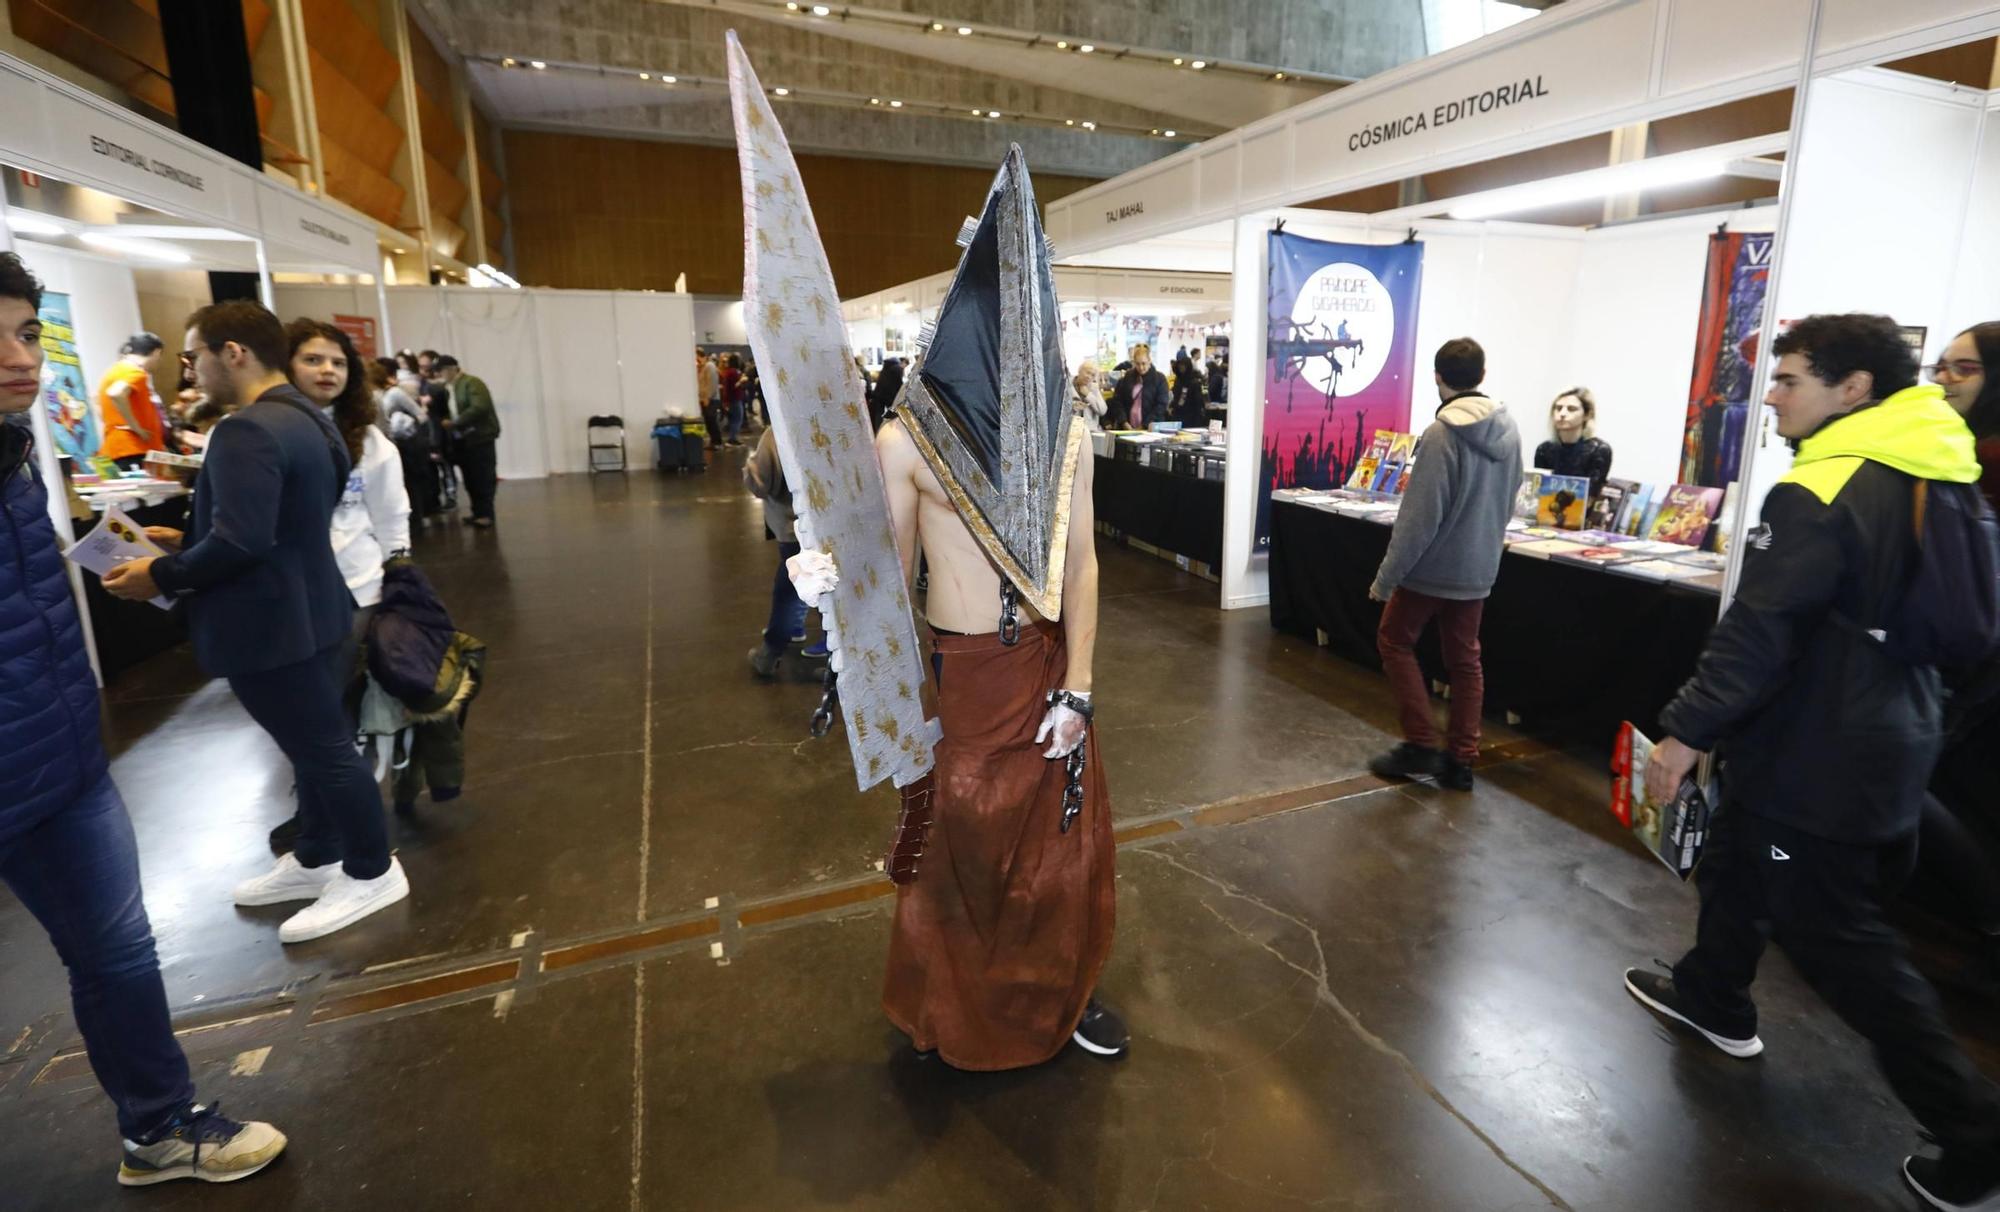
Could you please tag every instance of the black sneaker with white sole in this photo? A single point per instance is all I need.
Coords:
(1101, 1032)
(1407, 761)
(1956, 1181)
(1656, 991)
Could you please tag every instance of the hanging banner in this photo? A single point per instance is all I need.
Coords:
(360, 330)
(72, 421)
(1340, 349)
(1725, 351)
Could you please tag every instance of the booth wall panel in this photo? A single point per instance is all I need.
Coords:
(167, 297)
(492, 333)
(326, 302)
(103, 300)
(577, 332)
(1976, 289)
(655, 364)
(1524, 312)
(1765, 36)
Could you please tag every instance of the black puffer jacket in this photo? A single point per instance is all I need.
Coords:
(1817, 725)
(410, 634)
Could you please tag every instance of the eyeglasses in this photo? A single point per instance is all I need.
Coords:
(1957, 368)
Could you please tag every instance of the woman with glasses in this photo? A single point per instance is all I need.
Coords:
(1961, 371)
(1959, 837)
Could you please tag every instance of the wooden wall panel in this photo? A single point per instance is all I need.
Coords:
(354, 182)
(335, 30)
(349, 118)
(632, 214)
(448, 193)
(442, 137)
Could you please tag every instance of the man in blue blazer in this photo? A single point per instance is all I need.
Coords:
(270, 611)
(66, 844)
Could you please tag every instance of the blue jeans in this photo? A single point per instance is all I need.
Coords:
(788, 613)
(78, 873)
(735, 419)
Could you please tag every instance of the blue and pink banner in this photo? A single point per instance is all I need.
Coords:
(1340, 351)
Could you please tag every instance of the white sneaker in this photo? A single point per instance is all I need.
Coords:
(202, 1145)
(345, 902)
(286, 881)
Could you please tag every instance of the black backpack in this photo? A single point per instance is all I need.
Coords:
(1950, 613)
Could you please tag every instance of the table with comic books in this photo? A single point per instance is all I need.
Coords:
(1588, 626)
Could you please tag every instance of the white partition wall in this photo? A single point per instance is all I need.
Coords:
(578, 342)
(655, 363)
(493, 336)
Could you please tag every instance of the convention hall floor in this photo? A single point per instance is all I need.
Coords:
(641, 962)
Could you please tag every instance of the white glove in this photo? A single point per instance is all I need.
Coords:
(1065, 724)
(813, 574)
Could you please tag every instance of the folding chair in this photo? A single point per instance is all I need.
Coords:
(605, 437)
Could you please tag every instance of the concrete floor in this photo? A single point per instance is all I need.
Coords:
(640, 964)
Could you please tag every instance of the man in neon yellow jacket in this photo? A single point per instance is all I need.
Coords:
(1826, 738)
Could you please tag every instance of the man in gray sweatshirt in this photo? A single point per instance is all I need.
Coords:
(1443, 556)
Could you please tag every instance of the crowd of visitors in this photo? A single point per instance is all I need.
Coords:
(1137, 394)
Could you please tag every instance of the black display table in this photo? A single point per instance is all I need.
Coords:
(129, 632)
(1571, 650)
(1179, 514)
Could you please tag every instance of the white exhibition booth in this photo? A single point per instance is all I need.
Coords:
(553, 358)
(1890, 202)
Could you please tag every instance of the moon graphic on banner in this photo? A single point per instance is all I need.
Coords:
(1337, 294)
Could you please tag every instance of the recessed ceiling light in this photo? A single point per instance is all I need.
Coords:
(510, 62)
(964, 29)
(1170, 134)
(1090, 126)
(1198, 64)
(975, 113)
(1062, 46)
(537, 64)
(782, 92)
(792, 6)
(1279, 76)
(821, 10)
(670, 79)
(992, 113)
(937, 25)
(874, 100)
(895, 105)
(1156, 130)
(1085, 49)
(1178, 60)
(645, 75)
(1069, 121)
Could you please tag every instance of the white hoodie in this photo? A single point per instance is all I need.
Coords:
(372, 519)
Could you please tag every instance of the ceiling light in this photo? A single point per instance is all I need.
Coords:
(1156, 130)
(400, 251)
(792, 6)
(1085, 49)
(645, 76)
(992, 113)
(510, 62)
(782, 92)
(874, 100)
(1178, 60)
(1170, 134)
(1090, 126)
(964, 30)
(537, 64)
(1597, 183)
(937, 26)
(671, 79)
(1198, 64)
(895, 105)
(136, 248)
(1069, 121)
(821, 10)
(28, 223)
(1062, 46)
(975, 113)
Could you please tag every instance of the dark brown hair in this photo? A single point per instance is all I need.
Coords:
(1461, 363)
(354, 407)
(248, 324)
(1984, 415)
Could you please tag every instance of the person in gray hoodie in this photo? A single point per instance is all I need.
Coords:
(1443, 557)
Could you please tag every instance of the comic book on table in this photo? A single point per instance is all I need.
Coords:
(1563, 501)
(1673, 832)
(1389, 472)
(1602, 556)
(1542, 549)
(1529, 497)
(1609, 503)
(1370, 464)
(1686, 514)
(1648, 509)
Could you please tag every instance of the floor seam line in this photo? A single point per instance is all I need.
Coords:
(639, 911)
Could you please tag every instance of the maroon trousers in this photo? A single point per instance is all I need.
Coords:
(1403, 620)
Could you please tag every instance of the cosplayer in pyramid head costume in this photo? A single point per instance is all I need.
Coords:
(1003, 852)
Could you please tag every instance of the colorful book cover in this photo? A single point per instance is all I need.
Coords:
(1563, 501)
(1530, 495)
(1686, 514)
(1363, 479)
(1673, 832)
(1655, 496)
(1604, 509)
(1389, 473)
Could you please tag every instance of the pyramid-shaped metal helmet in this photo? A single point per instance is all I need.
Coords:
(989, 401)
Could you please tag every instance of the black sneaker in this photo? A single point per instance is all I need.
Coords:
(1407, 761)
(1454, 775)
(1101, 1032)
(285, 836)
(1657, 992)
(1956, 1182)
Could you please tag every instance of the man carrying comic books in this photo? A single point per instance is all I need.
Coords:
(1826, 720)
